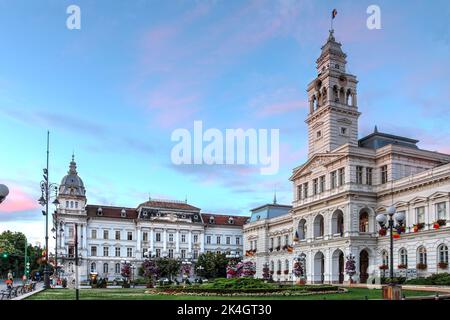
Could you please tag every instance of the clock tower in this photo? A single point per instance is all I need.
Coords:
(333, 109)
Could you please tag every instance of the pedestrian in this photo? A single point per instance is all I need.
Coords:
(8, 283)
(10, 277)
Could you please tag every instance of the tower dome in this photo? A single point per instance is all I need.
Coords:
(72, 184)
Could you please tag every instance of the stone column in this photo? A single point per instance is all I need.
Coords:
(328, 266)
(202, 242)
(190, 241)
(84, 233)
(138, 238)
(165, 240)
(177, 241)
(151, 240)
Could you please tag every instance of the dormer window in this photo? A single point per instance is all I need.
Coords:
(211, 220)
(99, 211)
(123, 213)
(230, 220)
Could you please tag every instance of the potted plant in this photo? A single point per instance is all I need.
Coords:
(443, 265)
(439, 223)
(270, 249)
(286, 271)
(278, 271)
(418, 226)
(402, 266)
(382, 232)
(278, 248)
(383, 267)
(421, 266)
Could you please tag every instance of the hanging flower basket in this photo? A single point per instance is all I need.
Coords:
(421, 266)
(383, 267)
(443, 265)
(382, 232)
(402, 266)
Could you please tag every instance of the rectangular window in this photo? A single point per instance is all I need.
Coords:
(238, 240)
(170, 237)
(369, 176)
(218, 240)
(195, 254)
(420, 214)
(94, 234)
(208, 239)
(144, 236)
(228, 240)
(130, 235)
(195, 238)
(441, 210)
(105, 234)
(183, 238)
(170, 253)
(144, 252)
(279, 241)
(299, 192)
(341, 176)
(384, 174)
(117, 235)
(129, 252)
(105, 251)
(322, 184)
(305, 190)
(93, 251)
(286, 239)
(158, 237)
(333, 181)
(158, 253)
(117, 251)
(359, 174)
(315, 186)
(271, 243)
(183, 253)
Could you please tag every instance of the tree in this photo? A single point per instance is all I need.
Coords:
(12, 250)
(150, 271)
(212, 265)
(168, 267)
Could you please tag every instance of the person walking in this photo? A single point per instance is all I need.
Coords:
(10, 277)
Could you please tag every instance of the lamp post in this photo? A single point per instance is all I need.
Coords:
(46, 190)
(382, 221)
(4, 191)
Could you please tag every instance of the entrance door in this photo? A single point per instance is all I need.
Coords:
(363, 266)
(341, 268)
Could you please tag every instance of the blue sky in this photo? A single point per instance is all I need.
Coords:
(114, 91)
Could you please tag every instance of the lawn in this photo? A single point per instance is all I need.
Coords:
(138, 294)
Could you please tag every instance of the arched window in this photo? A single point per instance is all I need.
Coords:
(342, 95)
(403, 257)
(272, 266)
(117, 268)
(315, 103)
(337, 222)
(279, 265)
(318, 226)
(286, 265)
(364, 221)
(443, 253)
(349, 98)
(71, 204)
(422, 255)
(335, 94)
(302, 229)
(385, 258)
(105, 268)
(93, 267)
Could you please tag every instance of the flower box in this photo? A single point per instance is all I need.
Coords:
(278, 248)
(400, 229)
(279, 272)
(443, 265)
(383, 267)
(402, 266)
(382, 232)
(270, 249)
(439, 223)
(419, 226)
(271, 271)
(421, 266)
(285, 247)
(286, 271)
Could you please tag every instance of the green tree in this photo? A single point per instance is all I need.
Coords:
(212, 265)
(12, 247)
(168, 267)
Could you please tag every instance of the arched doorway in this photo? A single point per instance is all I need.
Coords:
(338, 267)
(319, 267)
(337, 222)
(363, 266)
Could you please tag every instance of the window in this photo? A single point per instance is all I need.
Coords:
(322, 184)
(76, 204)
(195, 255)
(299, 192)
(158, 253)
(129, 252)
(117, 251)
(183, 253)
(67, 204)
(369, 176)
(315, 186)
(364, 222)
(195, 238)
(158, 237)
(228, 240)
(341, 176)
(71, 204)
(183, 238)
(117, 268)
(71, 236)
(359, 174)
(385, 258)
(318, 134)
(286, 265)
(93, 251)
(208, 239)
(422, 255)
(117, 235)
(170, 253)
(94, 234)
(145, 236)
(218, 240)
(333, 179)
(129, 235)
(170, 237)
(93, 267)
(144, 252)
(105, 268)
(271, 243)
(343, 131)
(443, 253)
(272, 266)
(105, 234)
(286, 239)
(441, 211)
(105, 251)
(420, 214)
(403, 257)
(238, 240)
(384, 174)
(279, 265)
(305, 190)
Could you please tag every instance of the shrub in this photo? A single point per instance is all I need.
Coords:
(442, 279)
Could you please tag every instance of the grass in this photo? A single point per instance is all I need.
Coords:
(138, 294)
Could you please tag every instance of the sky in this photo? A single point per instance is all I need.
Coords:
(113, 91)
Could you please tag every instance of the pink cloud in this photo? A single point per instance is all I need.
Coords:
(18, 200)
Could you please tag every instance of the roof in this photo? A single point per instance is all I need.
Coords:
(269, 211)
(377, 140)
(111, 212)
(222, 219)
(166, 204)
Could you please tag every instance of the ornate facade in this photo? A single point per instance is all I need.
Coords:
(346, 182)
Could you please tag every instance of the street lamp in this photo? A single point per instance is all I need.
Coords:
(382, 220)
(4, 191)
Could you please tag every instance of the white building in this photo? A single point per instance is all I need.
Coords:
(346, 182)
(108, 236)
